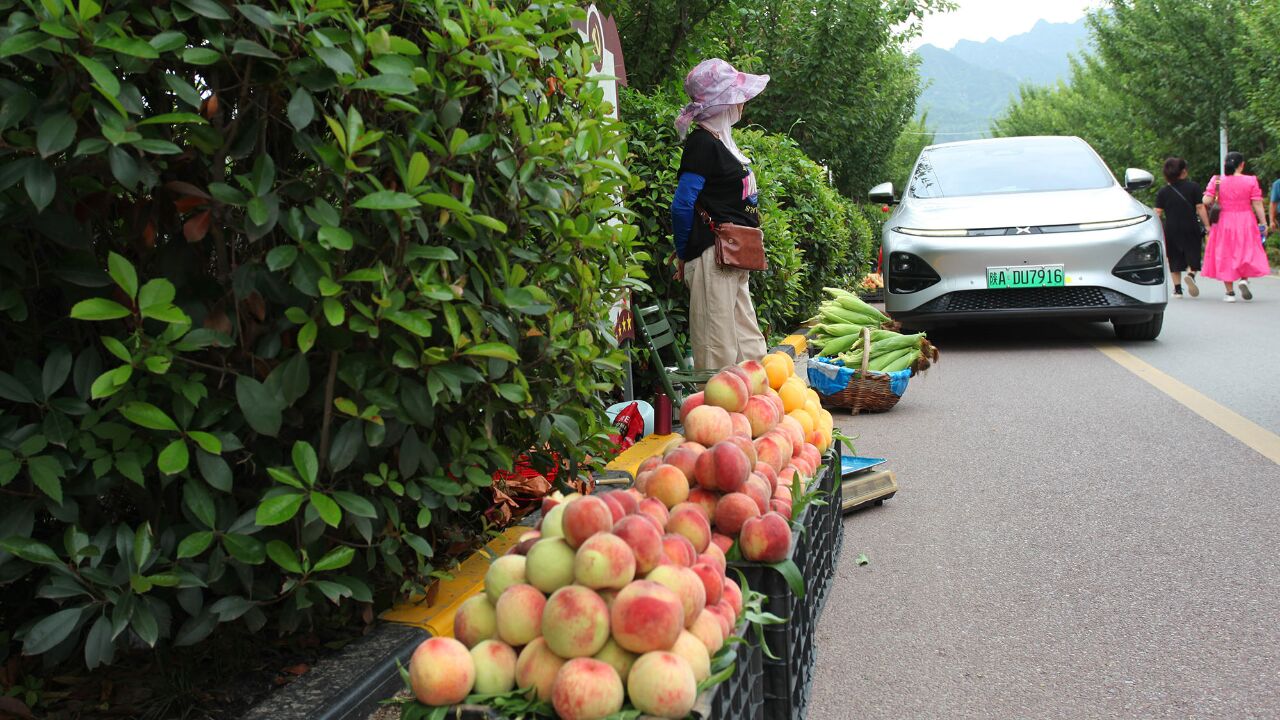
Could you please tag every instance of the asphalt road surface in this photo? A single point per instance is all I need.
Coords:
(1070, 540)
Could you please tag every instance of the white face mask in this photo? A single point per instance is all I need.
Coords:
(735, 114)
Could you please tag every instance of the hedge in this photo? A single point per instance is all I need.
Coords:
(814, 237)
(282, 284)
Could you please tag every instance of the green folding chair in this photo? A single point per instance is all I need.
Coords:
(675, 367)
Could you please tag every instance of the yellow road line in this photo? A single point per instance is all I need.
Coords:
(1237, 426)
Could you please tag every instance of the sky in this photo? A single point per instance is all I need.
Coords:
(983, 19)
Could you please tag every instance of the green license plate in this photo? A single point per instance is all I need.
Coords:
(1025, 276)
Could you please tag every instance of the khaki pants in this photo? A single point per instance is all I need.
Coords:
(722, 321)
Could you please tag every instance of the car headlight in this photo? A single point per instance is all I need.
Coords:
(1143, 264)
(908, 273)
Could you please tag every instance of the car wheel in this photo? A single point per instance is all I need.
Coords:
(1149, 330)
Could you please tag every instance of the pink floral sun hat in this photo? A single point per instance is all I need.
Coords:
(712, 85)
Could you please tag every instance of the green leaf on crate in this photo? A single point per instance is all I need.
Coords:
(791, 573)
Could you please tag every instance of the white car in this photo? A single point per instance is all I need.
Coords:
(1022, 228)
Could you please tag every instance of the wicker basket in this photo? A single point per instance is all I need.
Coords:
(867, 391)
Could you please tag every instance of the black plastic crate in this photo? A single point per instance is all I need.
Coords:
(741, 695)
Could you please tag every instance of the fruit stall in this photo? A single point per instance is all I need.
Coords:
(692, 592)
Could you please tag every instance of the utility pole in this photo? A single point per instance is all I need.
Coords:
(1222, 146)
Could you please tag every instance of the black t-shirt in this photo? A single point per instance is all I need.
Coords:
(729, 194)
(1180, 214)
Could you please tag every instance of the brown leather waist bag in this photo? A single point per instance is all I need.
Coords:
(737, 246)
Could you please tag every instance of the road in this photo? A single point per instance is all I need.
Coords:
(1070, 540)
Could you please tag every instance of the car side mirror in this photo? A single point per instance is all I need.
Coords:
(883, 194)
(1135, 179)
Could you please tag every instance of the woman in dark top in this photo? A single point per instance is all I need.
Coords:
(715, 183)
(1180, 205)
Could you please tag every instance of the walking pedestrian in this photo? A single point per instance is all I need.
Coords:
(1234, 253)
(715, 185)
(1185, 219)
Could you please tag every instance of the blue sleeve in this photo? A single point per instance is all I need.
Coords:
(1275, 191)
(687, 191)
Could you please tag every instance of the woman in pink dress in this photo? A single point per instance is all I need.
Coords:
(1235, 252)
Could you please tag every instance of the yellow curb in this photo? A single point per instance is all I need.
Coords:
(468, 580)
(1237, 426)
(628, 461)
(796, 341)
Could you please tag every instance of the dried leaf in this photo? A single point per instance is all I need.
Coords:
(299, 669)
(197, 227)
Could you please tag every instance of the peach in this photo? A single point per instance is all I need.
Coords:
(691, 445)
(536, 669)
(662, 684)
(723, 613)
(821, 439)
(712, 578)
(476, 620)
(552, 523)
(550, 565)
(788, 477)
(629, 500)
(714, 556)
(809, 452)
(732, 511)
(686, 584)
(773, 449)
(708, 425)
(695, 400)
(705, 500)
(616, 511)
(691, 521)
(646, 616)
(758, 375)
(793, 428)
(642, 481)
(518, 614)
(619, 659)
(604, 561)
(684, 458)
(766, 538)
(782, 492)
(583, 518)
(720, 540)
(526, 541)
(695, 652)
(586, 689)
(762, 414)
(678, 550)
(505, 571)
(757, 488)
(747, 447)
(548, 503)
(669, 485)
(575, 622)
(495, 663)
(741, 426)
(776, 399)
(607, 596)
(727, 390)
(655, 509)
(636, 497)
(766, 471)
(733, 595)
(709, 628)
(441, 671)
(724, 467)
(649, 463)
(644, 539)
(780, 506)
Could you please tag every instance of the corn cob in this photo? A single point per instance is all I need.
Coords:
(902, 363)
(879, 362)
(850, 301)
(834, 346)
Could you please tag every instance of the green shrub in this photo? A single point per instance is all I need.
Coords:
(281, 285)
(814, 237)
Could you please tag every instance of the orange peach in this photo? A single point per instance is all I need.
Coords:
(762, 414)
(646, 616)
(536, 669)
(441, 671)
(585, 517)
(550, 565)
(708, 425)
(678, 550)
(519, 614)
(686, 584)
(662, 684)
(575, 622)
(605, 561)
(793, 428)
(695, 400)
(691, 521)
(712, 580)
(495, 663)
(724, 467)
(810, 452)
(669, 485)
(587, 689)
(727, 390)
(695, 652)
(766, 538)
(684, 458)
(475, 621)
(644, 539)
(733, 510)
(758, 375)
(705, 500)
(505, 571)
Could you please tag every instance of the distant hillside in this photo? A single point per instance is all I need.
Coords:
(969, 85)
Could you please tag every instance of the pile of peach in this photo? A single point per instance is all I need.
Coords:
(615, 597)
(744, 456)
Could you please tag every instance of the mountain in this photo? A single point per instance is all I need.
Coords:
(968, 86)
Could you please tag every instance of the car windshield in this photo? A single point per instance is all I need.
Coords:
(1015, 166)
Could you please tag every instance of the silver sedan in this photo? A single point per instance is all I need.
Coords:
(1022, 228)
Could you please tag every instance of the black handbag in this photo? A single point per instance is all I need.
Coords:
(1216, 208)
